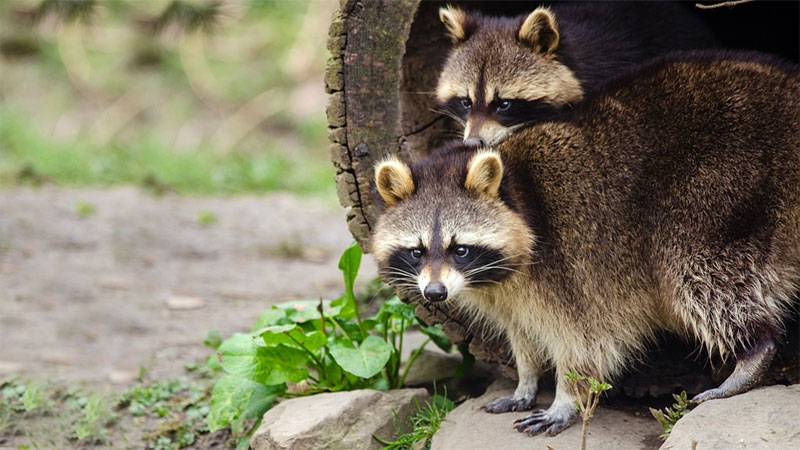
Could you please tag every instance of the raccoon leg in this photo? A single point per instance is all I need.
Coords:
(528, 371)
(750, 367)
(560, 415)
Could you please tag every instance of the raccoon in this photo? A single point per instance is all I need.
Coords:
(503, 72)
(668, 203)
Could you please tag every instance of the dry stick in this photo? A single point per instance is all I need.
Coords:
(719, 5)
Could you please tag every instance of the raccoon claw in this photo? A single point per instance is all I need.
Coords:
(543, 421)
(710, 394)
(508, 404)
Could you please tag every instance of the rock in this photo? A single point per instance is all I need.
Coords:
(10, 367)
(765, 418)
(468, 427)
(336, 421)
(431, 366)
(122, 376)
(184, 302)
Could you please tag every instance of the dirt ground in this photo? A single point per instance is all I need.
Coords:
(91, 297)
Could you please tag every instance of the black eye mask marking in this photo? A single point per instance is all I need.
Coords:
(458, 106)
(481, 265)
(510, 112)
(402, 265)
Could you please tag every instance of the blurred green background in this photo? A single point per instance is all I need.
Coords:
(184, 96)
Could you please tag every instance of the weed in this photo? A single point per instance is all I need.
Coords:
(587, 407)
(670, 416)
(206, 218)
(320, 345)
(92, 423)
(424, 424)
(85, 209)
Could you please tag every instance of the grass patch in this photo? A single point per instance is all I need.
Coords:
(29, 157)
(424, 424)
(166, 414)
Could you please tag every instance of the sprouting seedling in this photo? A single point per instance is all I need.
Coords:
(587, 407)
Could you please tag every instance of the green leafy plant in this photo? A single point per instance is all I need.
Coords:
(670, 415)
(309, 346)
(206, 218)
(85, 209)
(586, 405)
(91, 425)
(424, 424)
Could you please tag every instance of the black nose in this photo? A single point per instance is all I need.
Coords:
(475, 141)
(435, 292)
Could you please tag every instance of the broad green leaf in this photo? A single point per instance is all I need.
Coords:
(394, 307)
(274, 334)
(243, 356)
(380, 384)
(292, 335)
(366, 359)
(351, 328)
(300, 311)
(346, 308)
(467, 360)
(212, 362)
(235, 397)
(437, 336)
(349, 264)
(213, 339)
(269, 317)
(334, 377)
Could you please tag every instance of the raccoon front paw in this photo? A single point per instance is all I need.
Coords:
(552, 421)
(508, 404)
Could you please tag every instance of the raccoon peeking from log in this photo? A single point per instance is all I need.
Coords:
(504, 72)
(668, 202)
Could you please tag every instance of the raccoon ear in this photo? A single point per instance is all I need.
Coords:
(394, 182)
(459, 24)
(539, 30)
(484, 174)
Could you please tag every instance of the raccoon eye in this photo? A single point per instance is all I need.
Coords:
(416, 253)
(466, 103)
(503, 105)
(462, 251)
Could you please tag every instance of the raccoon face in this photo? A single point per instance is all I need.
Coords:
(502, 73)
(445, 230)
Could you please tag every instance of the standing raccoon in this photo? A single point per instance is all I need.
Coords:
(504, 72)
(670, 202)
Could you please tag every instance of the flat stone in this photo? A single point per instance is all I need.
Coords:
(468, 427)
(184, 302)
(767, 418)
(337, 421)
(122, 376)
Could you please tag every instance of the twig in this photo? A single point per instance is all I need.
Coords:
(721, 4)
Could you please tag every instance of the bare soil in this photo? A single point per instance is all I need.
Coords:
(91, 298)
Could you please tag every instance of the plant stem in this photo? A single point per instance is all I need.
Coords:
(584, 433)
(317, 362)
(411, 361)
(339, 327)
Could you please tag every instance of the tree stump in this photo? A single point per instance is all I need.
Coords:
(386, 57)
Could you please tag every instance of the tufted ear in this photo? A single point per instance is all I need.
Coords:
(539, 30)
(484, 174)
(393, 180)
(459, 24)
